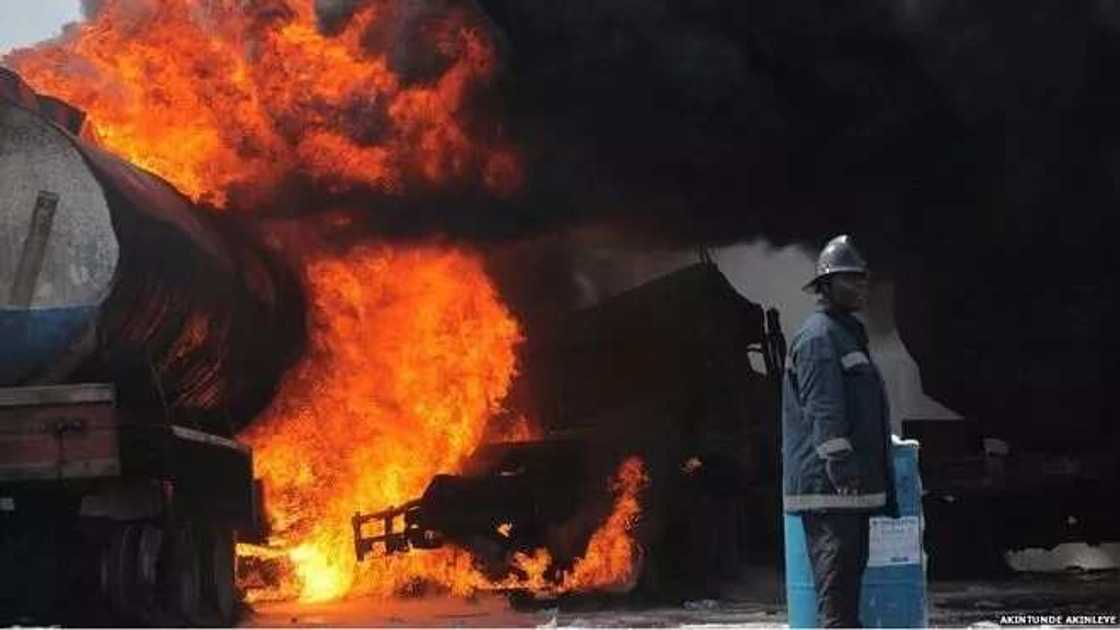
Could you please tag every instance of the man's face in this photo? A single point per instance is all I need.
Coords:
(850, 291)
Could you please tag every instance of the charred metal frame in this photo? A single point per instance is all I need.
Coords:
(412, 534)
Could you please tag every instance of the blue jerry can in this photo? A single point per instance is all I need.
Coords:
(894, 585)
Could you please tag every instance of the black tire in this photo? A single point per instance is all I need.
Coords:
(118, 569)
(219, 566)
(183, 575)
(150, 544)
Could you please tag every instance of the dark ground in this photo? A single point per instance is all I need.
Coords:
(754, 601)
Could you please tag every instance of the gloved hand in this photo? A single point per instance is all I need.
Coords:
(843, 472)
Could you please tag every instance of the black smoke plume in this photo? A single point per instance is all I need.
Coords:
(972, 149)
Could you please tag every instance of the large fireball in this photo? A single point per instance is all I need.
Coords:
(222, 95)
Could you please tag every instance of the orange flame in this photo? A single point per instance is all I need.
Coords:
(215, 96)
(411, 353)
(611, 560)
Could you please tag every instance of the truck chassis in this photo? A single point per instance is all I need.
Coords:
(116, 519)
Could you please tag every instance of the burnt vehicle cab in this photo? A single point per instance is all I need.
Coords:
(662, 372)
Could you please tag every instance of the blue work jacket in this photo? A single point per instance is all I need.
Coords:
(834, 405)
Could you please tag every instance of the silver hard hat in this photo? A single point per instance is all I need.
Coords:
(839, 256)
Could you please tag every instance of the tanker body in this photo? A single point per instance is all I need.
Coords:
(139, 334)
(109, 274)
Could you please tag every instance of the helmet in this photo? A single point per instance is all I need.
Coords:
(839, 256)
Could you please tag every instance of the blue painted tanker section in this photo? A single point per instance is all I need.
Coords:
(32, 338)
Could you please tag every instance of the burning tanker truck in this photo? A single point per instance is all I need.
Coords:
(661, 374)
(142, 334)
(139, 335)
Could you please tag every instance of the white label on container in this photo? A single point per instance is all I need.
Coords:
(895, 541)
(7, 504)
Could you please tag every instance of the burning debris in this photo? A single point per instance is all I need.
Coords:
(513, 551)
(529, 512)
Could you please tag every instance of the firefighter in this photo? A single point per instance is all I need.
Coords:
(836, 434)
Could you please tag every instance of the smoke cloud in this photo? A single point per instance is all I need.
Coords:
(91, 7)
(978, 167)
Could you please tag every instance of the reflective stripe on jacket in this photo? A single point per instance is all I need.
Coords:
(834, 405)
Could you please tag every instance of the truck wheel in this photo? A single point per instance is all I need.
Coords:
(184, 575)
(127, 570)
(219, 569)
(149, 546)
(119, 570)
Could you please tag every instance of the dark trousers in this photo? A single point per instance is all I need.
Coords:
(838, 548)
